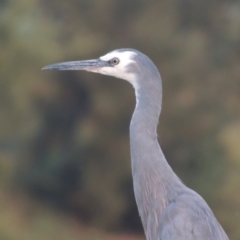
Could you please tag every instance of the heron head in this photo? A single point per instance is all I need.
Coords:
(121, 63)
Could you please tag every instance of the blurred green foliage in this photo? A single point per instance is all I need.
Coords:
(64, 136)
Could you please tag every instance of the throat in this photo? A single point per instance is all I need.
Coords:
(149, 166)
(145, 149)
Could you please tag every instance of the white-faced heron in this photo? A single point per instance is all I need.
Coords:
(168, 209)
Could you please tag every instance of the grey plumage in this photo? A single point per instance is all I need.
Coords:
(168, 209)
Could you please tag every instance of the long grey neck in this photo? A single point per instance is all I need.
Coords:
(153, 178)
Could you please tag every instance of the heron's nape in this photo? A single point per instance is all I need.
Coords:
(168, 209)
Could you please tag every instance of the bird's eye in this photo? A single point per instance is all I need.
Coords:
(114, 61)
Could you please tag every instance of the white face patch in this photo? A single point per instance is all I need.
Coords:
(119, 70)
(125, 55)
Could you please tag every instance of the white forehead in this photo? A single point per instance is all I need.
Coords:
(121, 69)
(124, 56)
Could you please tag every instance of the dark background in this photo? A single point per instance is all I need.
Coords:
(64, 145)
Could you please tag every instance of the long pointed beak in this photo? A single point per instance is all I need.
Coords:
(88, 65)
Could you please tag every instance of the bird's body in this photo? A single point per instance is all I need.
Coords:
(168, 209)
